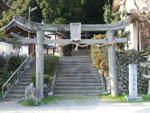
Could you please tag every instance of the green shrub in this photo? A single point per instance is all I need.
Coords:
(14, 62)
(50, 63)
(28, 101)
(47, 79)
(67, 50)
(100, 56)
(2, 62)
(3, 77)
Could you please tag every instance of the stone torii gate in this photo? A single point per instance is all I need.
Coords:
(110, 40)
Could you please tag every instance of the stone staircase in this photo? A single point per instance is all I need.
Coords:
(81, 52)
(18, 91)
(76, 75)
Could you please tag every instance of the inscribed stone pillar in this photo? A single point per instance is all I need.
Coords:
(39, 63)
(112, 65)
(133, 91)
(132, 80)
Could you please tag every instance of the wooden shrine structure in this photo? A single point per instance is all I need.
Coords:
(15, 27)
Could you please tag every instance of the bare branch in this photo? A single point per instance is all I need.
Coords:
(143, 15)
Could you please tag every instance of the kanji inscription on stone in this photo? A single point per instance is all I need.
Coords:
(133, 80)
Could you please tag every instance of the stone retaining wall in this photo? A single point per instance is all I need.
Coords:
(123, 61)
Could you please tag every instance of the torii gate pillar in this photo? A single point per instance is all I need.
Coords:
(40, 63)
(112, 65)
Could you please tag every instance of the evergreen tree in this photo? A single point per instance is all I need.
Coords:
(56, 11)
(66, 11)
(20, 8)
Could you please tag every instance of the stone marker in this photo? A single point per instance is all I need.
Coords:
(133, 90)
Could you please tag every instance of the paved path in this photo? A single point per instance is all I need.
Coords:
(72, 106)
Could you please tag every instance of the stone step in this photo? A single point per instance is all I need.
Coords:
(26, 77)
(94, 92)
(25, 80)
(75, 59)
(87, 65)
(82, 86)
(14, 96)
(75, 72)
(77, 88)
(32, 68)
(77, 84)
(23, 83)
(76, 69)
(86, 75)
(19, 87)
(74, 66)
(77, 81)
(17, 91)
(11, 99)
(77, 78)
(32, 71)
(28, 73)
(76, 75)
(74, 63)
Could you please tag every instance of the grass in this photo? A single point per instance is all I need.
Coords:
(145, 98)
(49, 99)
(108, 97)
(104, 98)
(29, 102)
(121, 98)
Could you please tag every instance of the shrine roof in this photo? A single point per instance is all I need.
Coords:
(16, 26)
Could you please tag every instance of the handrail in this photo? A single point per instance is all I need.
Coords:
(25, 61)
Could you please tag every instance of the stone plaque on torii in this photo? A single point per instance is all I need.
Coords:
(110, 40)
(75, 31)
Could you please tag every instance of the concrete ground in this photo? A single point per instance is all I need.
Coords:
(76, 106)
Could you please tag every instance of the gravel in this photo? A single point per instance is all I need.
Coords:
(76, 106)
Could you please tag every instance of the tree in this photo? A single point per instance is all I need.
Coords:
(93, 11)
(57, 11)
(144, 11)
(20, 8)
(66, 11)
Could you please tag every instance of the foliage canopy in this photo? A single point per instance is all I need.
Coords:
(56, 11)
